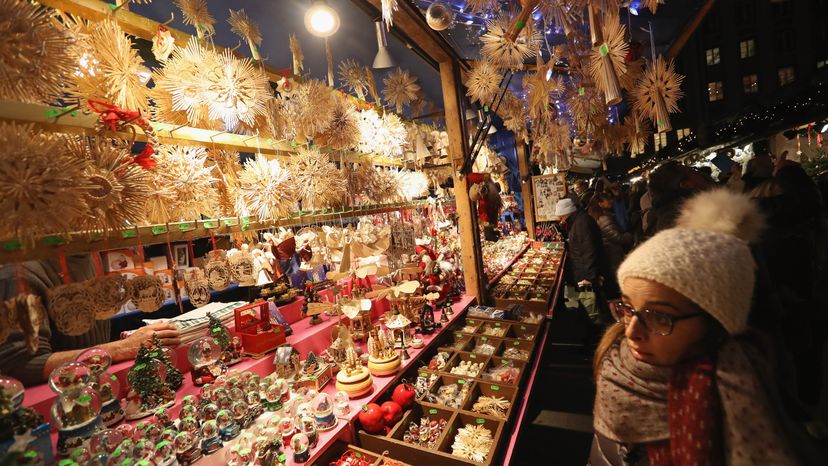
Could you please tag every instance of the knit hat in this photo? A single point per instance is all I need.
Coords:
(705, 257)
(565, 207)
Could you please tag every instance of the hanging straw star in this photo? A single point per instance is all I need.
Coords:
(400, 89)
(33, 53)
(607, 60)
(538, 90)
(197, 15)
(388, 9)
(638, 134)
(245, 28)
(512, 112)
(236, 91)
(652, 5)
(110, 69)
(343, 131)
(265, 190)
(41, 187)
(298, 56)
(658, 93)
(119, 188)
(307, 110)
(385, 136)
(353, 75)
(483, 82)
(183, 184)
(480, 6)
(564, 14)
(226, 170)
(505, 53)
(317, 181)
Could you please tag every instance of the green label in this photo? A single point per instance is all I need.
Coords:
(139, 367)
(209, 224)
(523, 327)
(218, 330)
(497, 324)
(484, 339)
(581, 91)
(495, 388)
(432, 411)
(516, 343)
(231, 222)
(423, 374)
(53, 240)
(85, 399)
(473, 356)
(245, 223)
(154, 354)
(604, 50)
(277, 329)
(461, 382)
(504, 362)
(114, 377)
(185, 227)
(131, 233)
(458, 335)
(358, 454)
(13, 245)
(159, 229)
(480, 420)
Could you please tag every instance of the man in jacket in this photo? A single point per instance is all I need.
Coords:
(586, 261)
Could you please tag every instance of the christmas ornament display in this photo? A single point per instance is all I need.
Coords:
(658, 92)
(473, 442)
(72, 308)
(196, 14)
(147, 292)
(76, 411)
(400, 88)
(504, 52)
(197, 286)
(265, 190)
(353, 378)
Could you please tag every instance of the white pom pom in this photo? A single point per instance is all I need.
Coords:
(722, 211)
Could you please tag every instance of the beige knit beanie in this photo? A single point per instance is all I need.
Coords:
(705, 257)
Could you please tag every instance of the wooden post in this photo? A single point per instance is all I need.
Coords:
(458, 149)
(526, 187)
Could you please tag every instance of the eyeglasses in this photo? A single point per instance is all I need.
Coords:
(655, 322)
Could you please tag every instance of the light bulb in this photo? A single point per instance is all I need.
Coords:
(321, 20)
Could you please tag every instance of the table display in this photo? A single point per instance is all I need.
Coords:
(498, 255)
(532, 279)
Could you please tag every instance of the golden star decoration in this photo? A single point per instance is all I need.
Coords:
(400, 89)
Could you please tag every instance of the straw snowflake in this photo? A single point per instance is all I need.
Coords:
(483, 82)
(385, 136)
(353, 75)
(32, 53)
(412, 184)
(183, 185)
(479, 6)
(638, 134)
(587, 107)
(197, 15)
(472, 442)
(562, 13)
(343, 131)
(388, 9)
(652, 5)
(119, 188)
(512, 112)
(110, 69)
(400, 89)
(317, 181)
(265, 190)
(41, 191)
(659, 79)
(243, 26)
(179, 84)
(538, 91)
(236, 91)
(615, 48)
(635, 69)
(306, 110)
(505, 53)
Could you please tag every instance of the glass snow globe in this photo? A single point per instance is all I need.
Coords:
(210, 437)
(227, 425)
(108, 386)
(204, 355)
(106, 441)
(323, 414)
(301, 448)
(76, 411)
(342, 407)
(186, 448)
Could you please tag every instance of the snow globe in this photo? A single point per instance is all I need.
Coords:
(144, 450)
(165, 454)
(323, 414)
(307, 425)
(254, 404)
(204, 355)
(106, 441)
(276, 395)
(301, 448)
(342, 407)
(210, 437)
(227, 425)
(109, 388)
(188, 424)
(209, 412)
(148, 387)
(186, 448)
(241, 413)
(286, 429)
(76, 411)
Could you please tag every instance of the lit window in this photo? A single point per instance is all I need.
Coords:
(786, 75)
(659, 141)
(750, 83)
(747, 48)
(821, 63)
(682, 133)
(715, 91)
(713, 56)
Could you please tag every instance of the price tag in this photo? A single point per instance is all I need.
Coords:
(432, 411)
(515, 343)
(480, 420)
(57, 240)
(210, 224)
(12, 245)
(473, 356)
(497, 324)
(495, 387)
(245, 223)
(186, 227)
(461, 382)
(231, 222)
(423, 374)
(159, 229)
(277, 329)
(484, 339)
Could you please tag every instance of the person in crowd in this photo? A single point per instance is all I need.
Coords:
(634, 212)
(619, 206)
(586, 261)
(669, 185)
(680, 379)
(616, 242)
(55, 348)
(582, 193)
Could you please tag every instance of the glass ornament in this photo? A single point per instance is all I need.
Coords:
(97, 359)
(13, 390)
(106, 441)
(69, 377)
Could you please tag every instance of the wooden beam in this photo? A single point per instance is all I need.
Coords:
(689, 29)
(458, 147)
(526, 187)
(134, 24)
(79, 122)
(410, 25)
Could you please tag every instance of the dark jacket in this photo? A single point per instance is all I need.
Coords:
(586, 258)
(616, 242)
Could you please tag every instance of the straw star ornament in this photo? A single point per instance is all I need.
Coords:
(483, 82)
(353, 75)
(183, 183)
(197, 15)
(400, 89)
(236, 91)
(317, 181)
(505, 53)
(245, 28)
(179, 85)
(658, 93)
(266, 190)
(343, 131)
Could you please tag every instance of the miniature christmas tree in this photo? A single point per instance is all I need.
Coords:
(152, 390)
(219, 332)
(311, 364)
(174, 377)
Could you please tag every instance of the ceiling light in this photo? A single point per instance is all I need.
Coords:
(824, 128)
(321, 20)
(383, 59)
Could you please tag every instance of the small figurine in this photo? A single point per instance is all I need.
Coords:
(107, 385)
(427, 324)
(323, 412)
(148, 384)
(383, 360)
(353, 378)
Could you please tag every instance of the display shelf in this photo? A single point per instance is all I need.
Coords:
(84, 242)
(508, 266)
(73, 120)
(304, 338)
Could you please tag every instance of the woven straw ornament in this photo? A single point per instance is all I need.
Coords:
(32, 52)
(388, 9)
(41, 186)
(483, 82)
(25, 314)
(480, 6)
(72, 308)
(306, 109)
(316, 179)
(265, 190)
(240, 262)
(385, 136)
(245, 28)
(217, 270)
(147, 292)
(235, 91)
(504, 53)
(658, 92)
(412, 184)
(343, 131)
(353, 75)
(562, 13)
(198, 16)
(197, 287)
(606, 61)
(110, 292)
(652, 5)
(182, 185)
(400, 89)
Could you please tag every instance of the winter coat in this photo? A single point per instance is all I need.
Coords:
(616, 243)
(586, 259)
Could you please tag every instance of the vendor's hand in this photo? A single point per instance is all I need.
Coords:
(167, 333)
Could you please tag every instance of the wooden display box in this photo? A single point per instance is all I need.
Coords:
(480, 340)
(258, 335)
(495, 328)
(467, 325)
(468, 357)
(499, 361)
(448, 379)
(482, 388)
(332, 454)
(455, 341)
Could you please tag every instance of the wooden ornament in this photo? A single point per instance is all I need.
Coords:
(241, 266)
(197, 286)
(24, 313)
(147, 292)
(110, 293)
(216, 269)
(72, 308)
